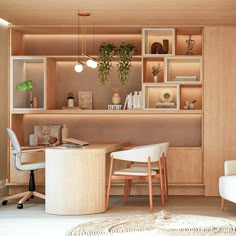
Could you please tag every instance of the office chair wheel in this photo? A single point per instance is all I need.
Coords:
(19, 206)
(4, 203)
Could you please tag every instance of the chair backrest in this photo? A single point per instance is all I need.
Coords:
(140, 154)
(14, 141)
(164, 147)
(230, 167)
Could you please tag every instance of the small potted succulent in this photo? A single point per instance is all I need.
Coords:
(155, 71)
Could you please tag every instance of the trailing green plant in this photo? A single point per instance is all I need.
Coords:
(106, 53)
(125, 53)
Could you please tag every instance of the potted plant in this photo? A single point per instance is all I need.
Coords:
(26, 85)
(155, 71)
(106, 53)
(125, 53)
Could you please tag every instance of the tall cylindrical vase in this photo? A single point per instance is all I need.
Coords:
(155, 79)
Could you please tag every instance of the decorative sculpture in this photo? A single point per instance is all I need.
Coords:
(157, 47)
(190, 42)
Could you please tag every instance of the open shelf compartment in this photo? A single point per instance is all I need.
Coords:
(161, 96)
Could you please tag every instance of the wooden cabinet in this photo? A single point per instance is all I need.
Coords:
(219, 103)
(48, 60)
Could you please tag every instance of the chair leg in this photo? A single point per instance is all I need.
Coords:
(19, 195)
(39, 195)
(150, 185)
(165, 179)
(222, 204)
(26, 197)
(161, 183)
(109, 184)
(129, 186)
(127, 190)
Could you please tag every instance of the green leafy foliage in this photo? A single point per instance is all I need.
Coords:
(125, 53)
(106, 53)
(25, 85)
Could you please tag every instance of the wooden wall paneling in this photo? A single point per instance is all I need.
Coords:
(50, 82)
(17, 43)
(4, 95)
(179, 129)
(219, 103)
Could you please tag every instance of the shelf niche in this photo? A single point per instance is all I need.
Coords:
(27, 69)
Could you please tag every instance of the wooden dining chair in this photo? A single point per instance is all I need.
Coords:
(148, 155)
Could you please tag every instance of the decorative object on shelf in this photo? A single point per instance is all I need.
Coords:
(70, 100)
(26, 85)
(157, 47)
(114, 107)
(106, 53)
(167, 99)
(185, 78)
(190, 43)
(52, 141)
(33, 139)
(192, 104)
(85, 100)
(46, 132)
(64, 133)
(116, 99)
(186, 106)
(91, 62)
(125, 53)
(134, 101)
(35, 102)
(167, 95)
(155, 71)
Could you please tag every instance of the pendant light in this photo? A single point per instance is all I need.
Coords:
(79, 66)
(91, 62)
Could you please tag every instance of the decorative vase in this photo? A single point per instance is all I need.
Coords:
(191, 105)
(155, 79)
(116, 98)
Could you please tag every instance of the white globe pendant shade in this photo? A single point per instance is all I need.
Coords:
(78, 68)
(91, 63)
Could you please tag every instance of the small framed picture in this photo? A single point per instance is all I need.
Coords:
(85, 100)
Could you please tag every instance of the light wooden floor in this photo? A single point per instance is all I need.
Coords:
(33, 221)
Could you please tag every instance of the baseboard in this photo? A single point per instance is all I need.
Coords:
(3, 188)
(176, 189)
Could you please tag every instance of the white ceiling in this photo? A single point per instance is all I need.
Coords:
(119, 14)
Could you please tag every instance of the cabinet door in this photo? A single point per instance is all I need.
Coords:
(219, 103)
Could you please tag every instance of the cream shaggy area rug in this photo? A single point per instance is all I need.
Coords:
(159, 224)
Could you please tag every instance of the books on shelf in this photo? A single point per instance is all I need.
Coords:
(165, 105)
(185, 78)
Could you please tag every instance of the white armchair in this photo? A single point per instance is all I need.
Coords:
(227, 183)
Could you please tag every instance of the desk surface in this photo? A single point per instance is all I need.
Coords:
(76, 178)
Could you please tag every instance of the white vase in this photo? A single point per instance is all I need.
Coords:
(155, 79)
(191, 105)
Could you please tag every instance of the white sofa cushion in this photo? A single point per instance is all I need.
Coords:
(227, 187)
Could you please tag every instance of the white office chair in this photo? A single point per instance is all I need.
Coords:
(227, 183)
(144, 155)
(17, 153)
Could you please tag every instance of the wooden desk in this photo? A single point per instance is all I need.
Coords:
(76, 179)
